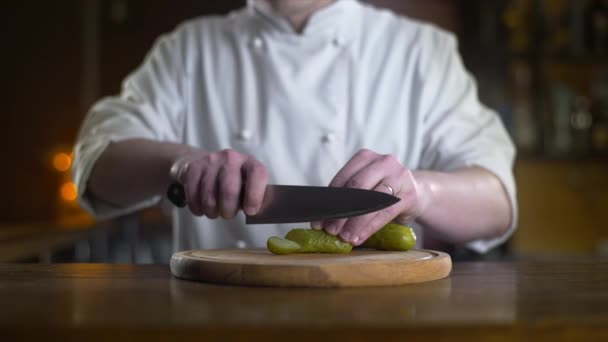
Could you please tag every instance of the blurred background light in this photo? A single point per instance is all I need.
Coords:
(69, 192)
(62, 162)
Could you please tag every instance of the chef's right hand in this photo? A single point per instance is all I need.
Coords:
(213, 182)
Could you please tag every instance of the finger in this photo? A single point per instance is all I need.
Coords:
(333, 226)
(229, 182)
(360, 160)
(213, 213)
(256, 179)
(179, 170)
(358, 229)
(347, 232)
(367, 178)
(317, 225)
(209, 192)
(378, 221)
(191, 181)
(394, 182)
(371, 175)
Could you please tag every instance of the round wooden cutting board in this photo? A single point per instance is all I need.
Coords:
(259, 267)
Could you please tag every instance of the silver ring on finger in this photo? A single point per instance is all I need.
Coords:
(390, 188)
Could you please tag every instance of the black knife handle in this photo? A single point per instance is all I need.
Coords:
(177, 194)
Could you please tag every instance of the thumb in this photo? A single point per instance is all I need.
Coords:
(179, 169)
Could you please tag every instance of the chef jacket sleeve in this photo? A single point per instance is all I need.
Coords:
(150, 106)
(458, 130)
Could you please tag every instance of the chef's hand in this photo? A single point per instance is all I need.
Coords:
(370, 170)
(213, 181)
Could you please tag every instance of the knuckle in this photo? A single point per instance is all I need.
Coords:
(210, 158)
(389, 159)
(338, 180)
(354, 183)
(255, 167)
(231, 156)
(364, 152)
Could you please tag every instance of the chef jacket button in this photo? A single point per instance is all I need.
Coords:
(338, 41)
(244, 135)
(328, 138)
(257, 42)
(241, 244)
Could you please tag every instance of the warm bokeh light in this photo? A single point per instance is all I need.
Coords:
(62, 162)
(69, 192)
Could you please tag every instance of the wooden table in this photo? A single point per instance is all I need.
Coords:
(502, 301)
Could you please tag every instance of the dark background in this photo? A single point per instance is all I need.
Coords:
(44, 79)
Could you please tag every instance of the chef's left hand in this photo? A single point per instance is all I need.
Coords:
(370, 170)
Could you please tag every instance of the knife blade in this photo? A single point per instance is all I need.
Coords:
(297, 203)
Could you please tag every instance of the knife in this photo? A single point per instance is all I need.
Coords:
(296, 203)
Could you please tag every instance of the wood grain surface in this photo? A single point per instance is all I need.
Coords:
(259, 267)
(510, 301)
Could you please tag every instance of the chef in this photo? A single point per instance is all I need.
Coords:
(302, 92)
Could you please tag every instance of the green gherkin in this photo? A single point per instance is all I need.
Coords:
(278, 245)
(392, 237)
(318, 241)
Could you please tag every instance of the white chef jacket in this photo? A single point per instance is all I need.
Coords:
(303, 104)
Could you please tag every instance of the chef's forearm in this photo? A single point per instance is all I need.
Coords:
(130, 171)
(463, 205)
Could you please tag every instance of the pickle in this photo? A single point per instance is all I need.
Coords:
(392, 237)
(279, 245)
(317, 241)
